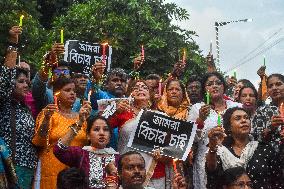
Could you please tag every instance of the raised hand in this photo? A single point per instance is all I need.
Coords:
(178, 69)
(85, 111)
(98, 70)
(138, 61)
(14, 33)
(216, 136)
(122, 106)
(50, 109)
(204, 111)
(261, 71)
(179, 182)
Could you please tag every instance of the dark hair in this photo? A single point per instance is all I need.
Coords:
(116, 72)
(20, 71)
(132, 84)
(32, 70)
(205, 78)
(250, 87)
(60, 82)
(63, 63)
(91, 121)
(72, 178)
(279, 76)
(119, 164)
(180, 83)
(229, 176)
(153, 77)
(192, 79)
(227, 124)
(246, 82)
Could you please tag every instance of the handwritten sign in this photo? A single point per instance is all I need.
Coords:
(108, 106)
(83, 55)
(157, 131)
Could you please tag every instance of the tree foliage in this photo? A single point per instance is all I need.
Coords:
(124, 24)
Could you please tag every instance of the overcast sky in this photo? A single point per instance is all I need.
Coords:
(238, 39)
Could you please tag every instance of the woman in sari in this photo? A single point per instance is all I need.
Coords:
(232, 146)
(206, 117)
(52, 123)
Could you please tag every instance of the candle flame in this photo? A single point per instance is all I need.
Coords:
(22, 16)
(175, 160)
(90, 92)
(161, 80)
(104, 44)
(56, 94)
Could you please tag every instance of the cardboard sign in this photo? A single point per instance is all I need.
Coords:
(83, 55)
(171, 136)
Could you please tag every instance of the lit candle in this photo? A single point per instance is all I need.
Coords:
(263, 60)
(61, 36)
(142, 51)
(210, 51)
(235, 74)
(160, 87)
(104, 52)
(281, 110)
(55, 98)
(49, 73)
(219, 121)
(183, 56)
(19, 61)
(89, 96)
(21, 20)
(175, 165)
(129, 99)
(207, 97)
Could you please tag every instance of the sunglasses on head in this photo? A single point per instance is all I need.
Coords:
(59, 72)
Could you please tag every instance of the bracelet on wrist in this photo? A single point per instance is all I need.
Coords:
(75, 128)
(213, 150)
(12, 48)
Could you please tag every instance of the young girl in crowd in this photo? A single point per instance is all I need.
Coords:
(93, 159)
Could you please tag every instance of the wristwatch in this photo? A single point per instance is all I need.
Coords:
(12, 48)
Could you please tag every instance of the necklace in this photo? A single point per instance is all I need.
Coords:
(218, 111)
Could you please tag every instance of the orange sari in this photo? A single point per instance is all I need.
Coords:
(49, 166)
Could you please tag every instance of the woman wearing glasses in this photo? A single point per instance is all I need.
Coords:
(232, 146)
(206, 116)
(236, 178)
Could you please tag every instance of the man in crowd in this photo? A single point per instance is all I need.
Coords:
(193, 88)
(132, 172)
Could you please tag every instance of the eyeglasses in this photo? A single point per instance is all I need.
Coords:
(59, 72)
(242, 185)
(77, 75)
(143, 87)
(217, 82)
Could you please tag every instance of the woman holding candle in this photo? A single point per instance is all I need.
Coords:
(232, 146)
(125, 118)
(206, 117)
(267, 123)
(128, 109)
(17, 123)
(174, 101)
(51, 124)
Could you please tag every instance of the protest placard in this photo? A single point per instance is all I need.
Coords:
(108, 106)
(83, 55)
(171, 136)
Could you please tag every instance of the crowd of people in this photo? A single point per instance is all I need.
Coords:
(52, 134)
